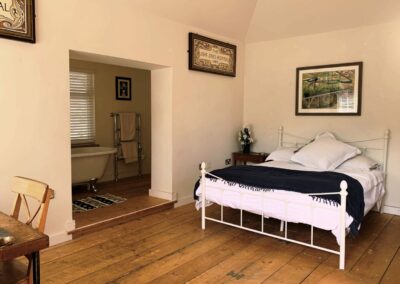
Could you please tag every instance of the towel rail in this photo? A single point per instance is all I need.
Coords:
(117, 142)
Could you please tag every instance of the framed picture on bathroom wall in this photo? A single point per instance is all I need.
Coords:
(17, 20)
(123, 88)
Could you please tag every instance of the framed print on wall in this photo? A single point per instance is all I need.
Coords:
(17, 20)
(329, 89)
(123, 88)
(212, 56)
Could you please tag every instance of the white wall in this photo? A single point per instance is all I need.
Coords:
(270, 78)
(34, 101)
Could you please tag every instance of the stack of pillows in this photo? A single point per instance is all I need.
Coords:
(325, 153)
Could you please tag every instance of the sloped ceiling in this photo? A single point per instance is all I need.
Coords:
(288, 18)
(229, 18)
(261, 20)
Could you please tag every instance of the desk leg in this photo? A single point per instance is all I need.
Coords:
(36, 267)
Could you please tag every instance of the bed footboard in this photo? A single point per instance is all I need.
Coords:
(342, 221)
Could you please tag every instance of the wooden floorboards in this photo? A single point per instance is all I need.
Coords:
(138, 204)
(170, 247)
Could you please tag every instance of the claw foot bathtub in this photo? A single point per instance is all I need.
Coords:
(89, 163)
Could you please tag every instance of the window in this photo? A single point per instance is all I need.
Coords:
(82, 107)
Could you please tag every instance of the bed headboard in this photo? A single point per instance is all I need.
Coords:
(374, 147)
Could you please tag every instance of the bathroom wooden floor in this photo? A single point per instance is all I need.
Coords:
(138, 204)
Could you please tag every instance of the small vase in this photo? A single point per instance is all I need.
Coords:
(246, 148)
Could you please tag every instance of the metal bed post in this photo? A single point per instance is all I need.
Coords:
(280, 144)
(203, 195)
(386, 138)
(343, 196)
(280, 136)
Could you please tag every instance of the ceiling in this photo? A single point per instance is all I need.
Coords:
(262, 20)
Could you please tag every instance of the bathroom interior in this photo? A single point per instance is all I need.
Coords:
(110, 144)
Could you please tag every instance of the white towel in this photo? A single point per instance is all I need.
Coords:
(128, 126)
(129, 151)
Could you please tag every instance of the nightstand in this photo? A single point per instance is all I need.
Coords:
(253, 157)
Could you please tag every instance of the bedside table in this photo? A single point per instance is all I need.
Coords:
(253, 157)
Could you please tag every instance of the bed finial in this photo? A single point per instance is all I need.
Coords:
(387, 133)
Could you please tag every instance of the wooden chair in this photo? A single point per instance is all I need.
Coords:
(16, 271)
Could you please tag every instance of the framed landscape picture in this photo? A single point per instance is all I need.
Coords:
(123, 88)
(212, 56)
(329, 89)
(17, 20)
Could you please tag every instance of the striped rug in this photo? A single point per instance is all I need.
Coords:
(95, 201)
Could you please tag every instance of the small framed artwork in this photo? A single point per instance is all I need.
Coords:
(329, 89)
(17, 20)
(123, 88)
(212, 56)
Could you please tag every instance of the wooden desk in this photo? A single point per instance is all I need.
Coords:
(27, 241)
(253, 157)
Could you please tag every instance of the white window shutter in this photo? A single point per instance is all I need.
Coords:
(82, 107)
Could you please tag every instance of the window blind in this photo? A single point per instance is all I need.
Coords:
(82, 107)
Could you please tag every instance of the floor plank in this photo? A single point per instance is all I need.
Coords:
(392, 274)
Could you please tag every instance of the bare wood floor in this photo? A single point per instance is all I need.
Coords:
(170, 247)
(134, 189)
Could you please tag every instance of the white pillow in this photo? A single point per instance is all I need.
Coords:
(281, 154)
(325, 134)
(325, 153)
(359, 162)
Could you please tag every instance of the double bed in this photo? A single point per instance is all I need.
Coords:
(303, 182)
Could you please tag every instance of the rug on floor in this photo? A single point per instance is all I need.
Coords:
(94, 202)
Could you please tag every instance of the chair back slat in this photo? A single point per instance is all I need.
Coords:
(29, 187)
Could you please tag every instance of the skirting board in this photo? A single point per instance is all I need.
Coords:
(162, 194)
(184, 200)
(391, 210)
(59, 238)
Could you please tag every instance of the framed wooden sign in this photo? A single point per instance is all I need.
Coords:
(329, 89)
(210, 55)
(17, 20)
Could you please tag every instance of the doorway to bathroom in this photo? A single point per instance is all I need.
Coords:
(111, 170)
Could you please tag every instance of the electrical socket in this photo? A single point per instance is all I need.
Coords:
(228, 161)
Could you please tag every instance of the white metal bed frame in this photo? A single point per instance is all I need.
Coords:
(342, 208)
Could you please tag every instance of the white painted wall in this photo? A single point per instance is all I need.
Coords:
(34, 101)
(270, 78)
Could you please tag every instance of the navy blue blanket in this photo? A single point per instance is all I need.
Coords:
(300, 181)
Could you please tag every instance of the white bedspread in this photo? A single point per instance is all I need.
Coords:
(292, 206)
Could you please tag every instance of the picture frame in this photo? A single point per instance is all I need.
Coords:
(212, 56)
(329, 89)
(123, 88)
(17, 20)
